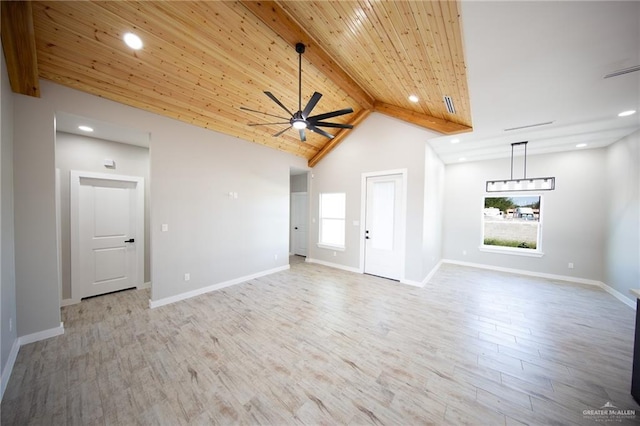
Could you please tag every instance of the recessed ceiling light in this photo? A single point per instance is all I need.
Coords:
(133, 41)
(413, 98)
(85, 128)
(462, 159)
(581, 145)
(455, 140)
(627, 113)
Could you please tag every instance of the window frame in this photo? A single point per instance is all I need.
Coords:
(517, 251)
(321, 220)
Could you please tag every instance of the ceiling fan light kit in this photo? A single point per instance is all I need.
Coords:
(525, 184)
(301, 119)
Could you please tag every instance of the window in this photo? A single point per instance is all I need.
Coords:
(332, 220)
(512, 224)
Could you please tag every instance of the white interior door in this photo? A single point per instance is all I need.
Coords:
(383, 226)
(299, 223)
(109, 238)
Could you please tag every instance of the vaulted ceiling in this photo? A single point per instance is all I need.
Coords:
(202, 61)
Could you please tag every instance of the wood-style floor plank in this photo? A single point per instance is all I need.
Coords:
(315, 345)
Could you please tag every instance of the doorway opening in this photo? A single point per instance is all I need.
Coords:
(299, 213)
(111, 166)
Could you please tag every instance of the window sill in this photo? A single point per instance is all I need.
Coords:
(328, 247)
(512, 251)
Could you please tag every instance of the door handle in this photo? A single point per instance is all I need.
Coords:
(131, 240)
(295, 227)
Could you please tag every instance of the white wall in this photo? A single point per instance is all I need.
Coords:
(213, 237)
(623, 220)
(37, 291)
(7, 276)
(574, 213)
(76, 152)
(379, 143)
(433, 210)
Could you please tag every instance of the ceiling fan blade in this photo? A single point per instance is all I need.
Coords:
(332, 114)
(260, 112)
(312, 103)
(281, 132)
(266, 124)
(274, 99)
(320, 132)
(303, 137)
(336, 125)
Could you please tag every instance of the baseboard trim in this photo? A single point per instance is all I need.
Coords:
(41, 335)
(8, 368)
(358, 271)
(17, 344)
(411, 283)
(193, 293)
(333, 265)
(525, 272)
(615, 293)
(69, 302)
(621, 297)
(426, 279)
(144, 285)
(431, 273)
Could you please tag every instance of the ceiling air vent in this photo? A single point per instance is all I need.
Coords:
(449, 104)
(528, 125)
(623, 71)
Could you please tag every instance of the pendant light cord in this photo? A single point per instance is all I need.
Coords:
(525, 158)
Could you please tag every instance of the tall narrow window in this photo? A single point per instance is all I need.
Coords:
(512, 223)
(332, 220)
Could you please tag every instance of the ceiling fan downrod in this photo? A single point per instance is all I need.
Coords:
(300, 49)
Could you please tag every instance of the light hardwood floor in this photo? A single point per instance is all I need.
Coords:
(315, 345)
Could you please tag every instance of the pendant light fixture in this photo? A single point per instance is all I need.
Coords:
(524, 184)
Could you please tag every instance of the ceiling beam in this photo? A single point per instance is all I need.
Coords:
(422, 120)
(276, 18)
(19, 45)
(364, 113)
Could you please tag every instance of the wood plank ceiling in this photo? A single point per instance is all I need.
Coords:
(202, 61)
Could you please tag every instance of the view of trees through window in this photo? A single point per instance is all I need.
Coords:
(512, 222)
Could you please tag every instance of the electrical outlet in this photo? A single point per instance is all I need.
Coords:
(165, 227)
(464, 252)
(570, 265)
(335, 254)
(187, 276)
